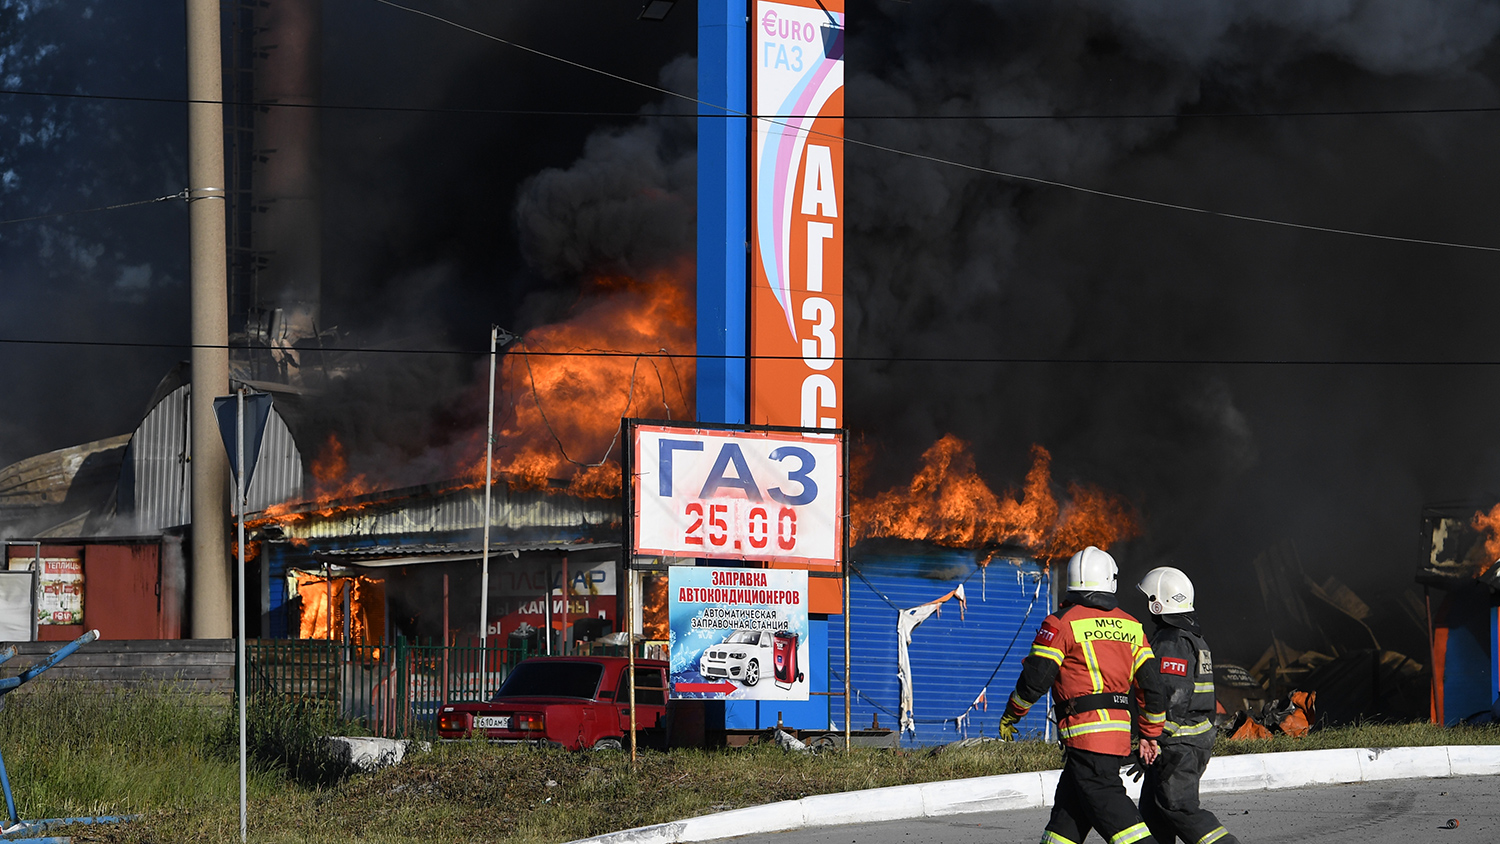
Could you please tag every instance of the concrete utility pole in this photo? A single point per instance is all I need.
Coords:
(210, 316)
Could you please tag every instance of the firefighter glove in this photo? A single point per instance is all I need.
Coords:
(1007, 728)
(1133, 767)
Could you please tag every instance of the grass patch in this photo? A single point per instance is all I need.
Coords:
(1364, 735)
(472, 792)
(171, 757)
(73, 750)
(285, 736)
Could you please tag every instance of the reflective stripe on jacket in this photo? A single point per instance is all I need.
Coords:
(1187, 676)
(1087, 650)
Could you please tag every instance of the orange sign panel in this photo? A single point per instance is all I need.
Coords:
(797, 220)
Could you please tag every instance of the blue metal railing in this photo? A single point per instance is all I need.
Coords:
(16, 826)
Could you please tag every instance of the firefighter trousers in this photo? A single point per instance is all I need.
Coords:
(1169, 798)
(1091, 796)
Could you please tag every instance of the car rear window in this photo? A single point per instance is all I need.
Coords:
(552, 679)
(649, 690)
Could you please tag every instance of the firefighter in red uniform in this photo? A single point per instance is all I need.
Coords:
(1169, 797)
(1091, 654)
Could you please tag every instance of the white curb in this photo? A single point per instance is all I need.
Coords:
(1251, 772)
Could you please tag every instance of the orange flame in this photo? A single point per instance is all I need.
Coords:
(1489, 524)
(252, 548)
(330, 470)
(1091, 517)
(948, 503)
(565, 418)
(322, 607)
(558, 407)
(330, 484)
(654, 606)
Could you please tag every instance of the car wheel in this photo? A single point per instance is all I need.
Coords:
(609, 744)
(752, 672)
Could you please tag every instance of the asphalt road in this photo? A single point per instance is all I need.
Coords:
(1390, 812)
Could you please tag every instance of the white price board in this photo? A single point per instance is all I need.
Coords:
(773, 496)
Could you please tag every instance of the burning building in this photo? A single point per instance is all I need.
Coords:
(1461, 546)
(985, 558)
(110, 518)
(963, 659)
(555, 511)
(556, 564)
(416, 539)
(1354, 655)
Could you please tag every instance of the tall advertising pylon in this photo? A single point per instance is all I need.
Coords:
(797, 221)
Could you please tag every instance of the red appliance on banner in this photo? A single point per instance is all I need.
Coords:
(785, 658)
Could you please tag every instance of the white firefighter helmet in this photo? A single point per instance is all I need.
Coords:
(1169, 591)
(1092, 570)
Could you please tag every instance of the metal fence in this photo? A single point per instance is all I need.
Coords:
(393, 690)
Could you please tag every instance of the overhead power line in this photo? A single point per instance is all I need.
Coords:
(522, 112)
(1035, 180)
(778, 119)
(182, 194)
(912, 118)
(1024, 360)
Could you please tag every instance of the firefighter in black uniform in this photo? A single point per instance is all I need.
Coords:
(1169, 797)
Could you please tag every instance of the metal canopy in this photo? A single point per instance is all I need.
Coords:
(387, 556)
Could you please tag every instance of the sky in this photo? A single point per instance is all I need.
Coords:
(1244, 385)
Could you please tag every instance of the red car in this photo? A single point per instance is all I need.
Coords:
(575, 702)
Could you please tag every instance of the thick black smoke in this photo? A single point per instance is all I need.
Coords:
(1204, 367)
(112, 275)
(1244, 385)
(429, 135)
(627, 204)
(432, 231)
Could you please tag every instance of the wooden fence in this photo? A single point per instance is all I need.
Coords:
(200, 665)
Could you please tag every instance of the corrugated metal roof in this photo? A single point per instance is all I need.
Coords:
(52, 478)
(383, 556)
(161, 492)
(436, 510)
(278, 473)
(161, 483)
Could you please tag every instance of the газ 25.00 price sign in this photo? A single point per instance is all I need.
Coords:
(738, 494)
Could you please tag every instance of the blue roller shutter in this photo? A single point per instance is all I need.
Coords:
(952, 656)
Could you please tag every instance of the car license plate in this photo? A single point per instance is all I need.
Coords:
(492, 722)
